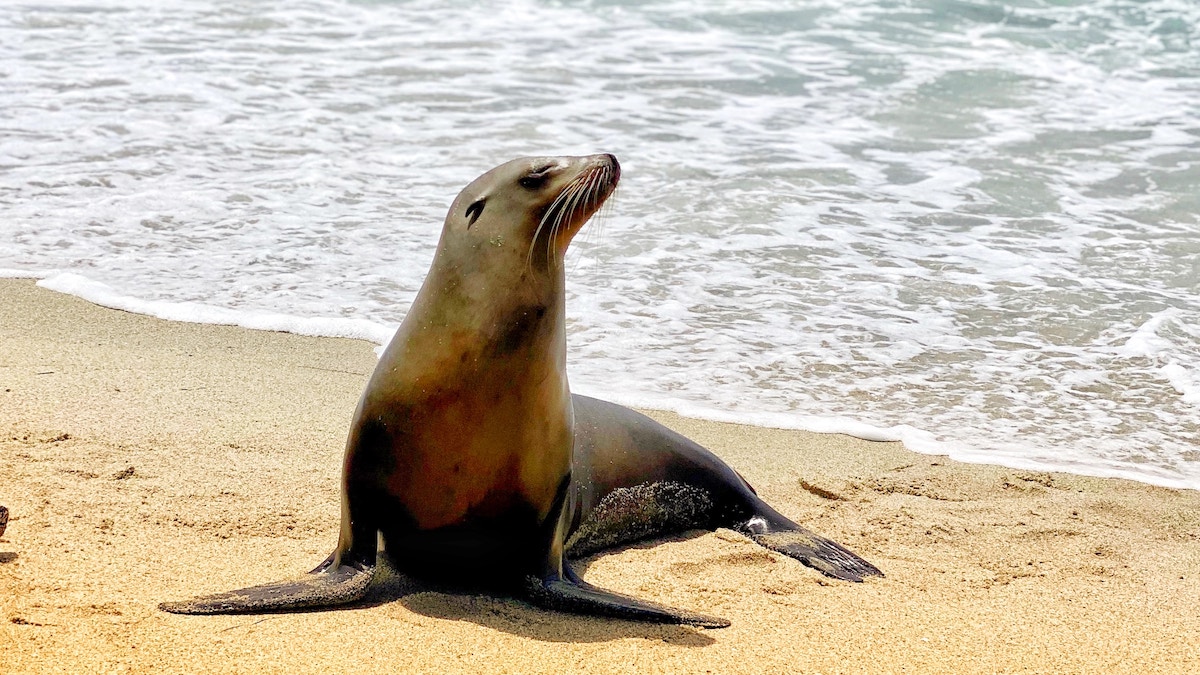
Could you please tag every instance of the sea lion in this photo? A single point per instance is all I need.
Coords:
(469, 461)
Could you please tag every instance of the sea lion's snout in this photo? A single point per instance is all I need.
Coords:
(594, 179)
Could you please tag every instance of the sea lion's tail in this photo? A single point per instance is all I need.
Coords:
(772, 530)
(572, 594)
(325, 586)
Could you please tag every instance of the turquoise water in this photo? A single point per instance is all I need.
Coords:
(971, 225)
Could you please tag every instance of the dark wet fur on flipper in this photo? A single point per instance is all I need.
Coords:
(627, 515)
(342, 585)
(631, 514)
(574, 595)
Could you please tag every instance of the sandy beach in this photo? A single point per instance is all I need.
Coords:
(145, 460)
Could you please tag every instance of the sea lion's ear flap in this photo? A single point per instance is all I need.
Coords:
(474, 211)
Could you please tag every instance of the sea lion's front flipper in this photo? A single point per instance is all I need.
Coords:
(569, 593)
(774, 531)
(321, 588)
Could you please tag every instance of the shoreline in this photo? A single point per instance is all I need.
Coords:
(919, 440)
(149, 460)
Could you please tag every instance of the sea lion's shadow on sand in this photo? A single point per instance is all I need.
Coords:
(512, 615)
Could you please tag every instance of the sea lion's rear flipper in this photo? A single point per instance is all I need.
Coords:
(571, 594)
(773, 531)
(322, 587)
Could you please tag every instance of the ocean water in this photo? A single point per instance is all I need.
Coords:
(970, 225)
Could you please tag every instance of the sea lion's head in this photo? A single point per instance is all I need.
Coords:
(529, 208)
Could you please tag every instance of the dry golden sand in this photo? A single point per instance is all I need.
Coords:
(145, 460)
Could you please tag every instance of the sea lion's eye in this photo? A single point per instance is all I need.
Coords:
(474, 211)
(536, 179)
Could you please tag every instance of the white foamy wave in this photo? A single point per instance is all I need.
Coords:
(6, 273)
(1185, 380)
(1164, 339)
(105, 296)
(1146, 341)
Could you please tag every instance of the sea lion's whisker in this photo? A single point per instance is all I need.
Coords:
(564, 208)
(549, 214)
(594, 236)
(580, 198)
(584, 196)
(566, 215)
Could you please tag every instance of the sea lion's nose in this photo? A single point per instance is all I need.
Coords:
(612, 159)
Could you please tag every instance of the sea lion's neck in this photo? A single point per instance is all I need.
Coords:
(476, 329)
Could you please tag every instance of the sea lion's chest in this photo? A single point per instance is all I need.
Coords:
(469, 454)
